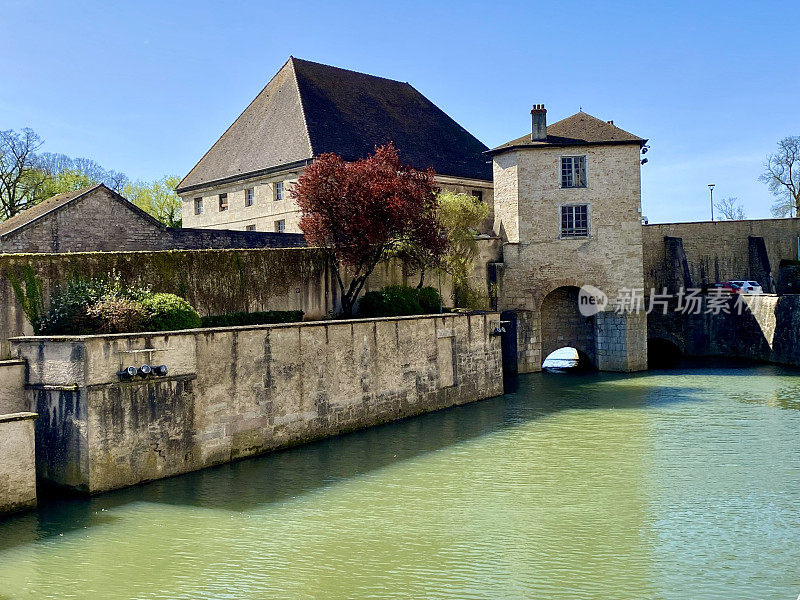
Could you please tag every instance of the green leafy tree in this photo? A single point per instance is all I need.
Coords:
(158, 198)
(65, 174)
(28, 177)
(460, 215)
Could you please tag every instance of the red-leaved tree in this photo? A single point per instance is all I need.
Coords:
(358, 210)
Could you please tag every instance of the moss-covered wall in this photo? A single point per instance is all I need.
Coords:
(214, 281)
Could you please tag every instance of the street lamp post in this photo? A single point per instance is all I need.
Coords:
(711, 189)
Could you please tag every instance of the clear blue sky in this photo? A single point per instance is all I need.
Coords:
(146, 87)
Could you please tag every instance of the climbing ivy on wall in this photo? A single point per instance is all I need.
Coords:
(214, 281)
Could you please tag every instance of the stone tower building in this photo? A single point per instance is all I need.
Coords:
(568, 208)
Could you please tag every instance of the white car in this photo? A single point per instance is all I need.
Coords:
(746, 287)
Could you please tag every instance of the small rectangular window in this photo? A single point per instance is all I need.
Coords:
(250, 228)
(223, 202)
(279, 191)
(575, 220)
(573, 171)
(198, 206)
(249, 194)
(280, 226)
(478, 194)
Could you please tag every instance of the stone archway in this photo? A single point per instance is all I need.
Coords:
(663, 352)
(562, 324)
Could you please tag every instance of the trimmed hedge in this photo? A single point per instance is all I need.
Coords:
(253, 318)
(168, 312)
(398, 301)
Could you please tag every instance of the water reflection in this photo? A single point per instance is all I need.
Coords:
(662, 485)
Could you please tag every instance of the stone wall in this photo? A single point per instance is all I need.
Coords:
(97, 221)
(100, 221)
(538, 261)
(12, 386)
(214, 281)
(236, 392)
(718, 251)
(767, 329)
(17, 468)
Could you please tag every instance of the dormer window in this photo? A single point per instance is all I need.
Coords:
(573, 171)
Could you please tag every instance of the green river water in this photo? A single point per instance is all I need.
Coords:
(674, 484)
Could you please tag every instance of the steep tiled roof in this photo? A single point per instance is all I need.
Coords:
(41, 209)
(580, 129)
(309, 108)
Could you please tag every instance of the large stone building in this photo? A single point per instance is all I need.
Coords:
(97, 219)
(308, 109)
(568, 207)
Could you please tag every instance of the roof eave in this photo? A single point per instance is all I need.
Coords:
(242, 176)
(501, 149)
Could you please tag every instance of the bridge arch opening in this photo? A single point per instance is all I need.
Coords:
(662, 353)
(567, 359)
(563, 326)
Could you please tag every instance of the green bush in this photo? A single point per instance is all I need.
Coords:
(399, 300)
(117, 315)
(168, 312)
(68, 311)
(253, 318)
(89, 306)
(430, 300)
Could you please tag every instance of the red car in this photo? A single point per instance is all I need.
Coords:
(720, 288)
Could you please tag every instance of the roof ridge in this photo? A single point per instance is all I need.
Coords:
(334, 67)
(257, 96)
(302, 104)
(50, 204)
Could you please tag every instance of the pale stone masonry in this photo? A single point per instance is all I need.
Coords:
(241, 391)
(540, 259)
(17, 462)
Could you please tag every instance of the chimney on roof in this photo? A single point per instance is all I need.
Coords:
(538, 123)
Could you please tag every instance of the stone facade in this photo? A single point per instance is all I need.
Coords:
(101, 221)
(267, 211)
(17, 467)
(237, 392)
(538, 261)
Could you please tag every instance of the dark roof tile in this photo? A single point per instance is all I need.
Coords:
(310, 108)
(578, 130)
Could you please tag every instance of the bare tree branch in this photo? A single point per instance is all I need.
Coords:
(730, 208)
(782, 176)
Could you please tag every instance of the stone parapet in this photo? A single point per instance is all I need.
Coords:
(240, 391)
